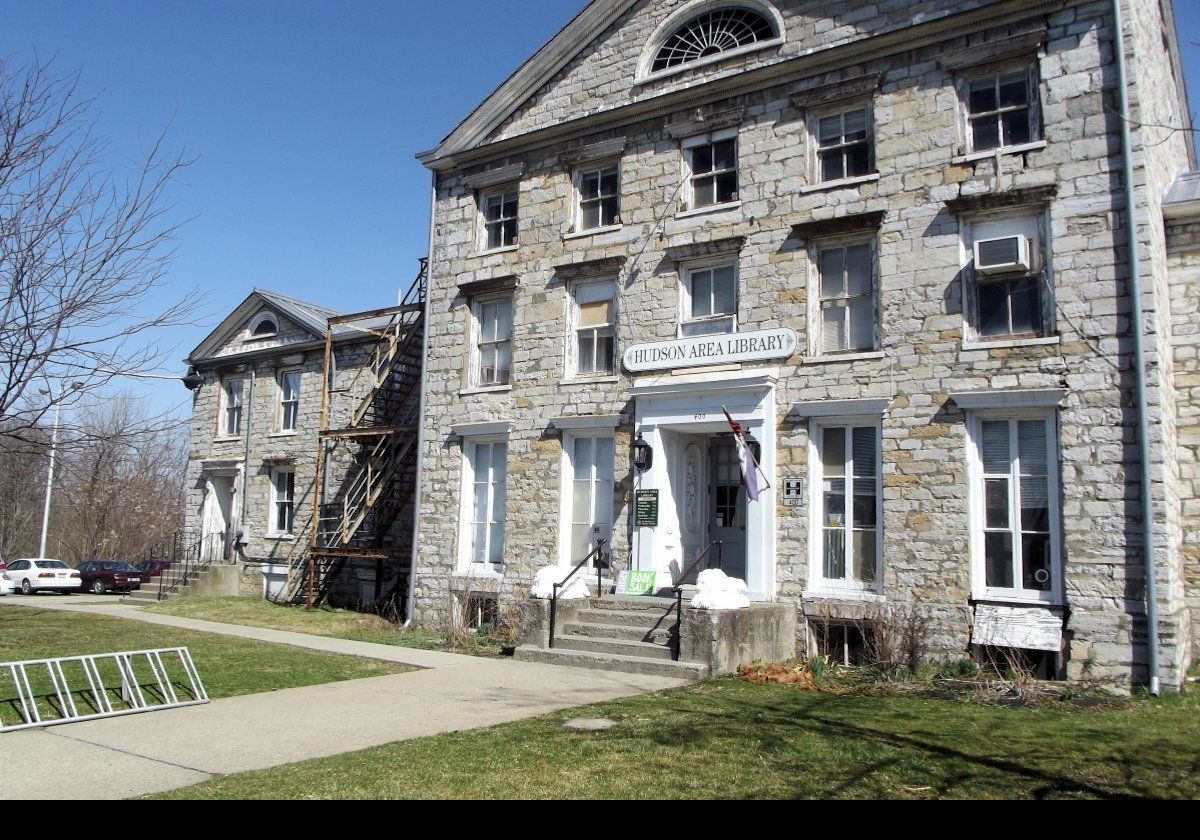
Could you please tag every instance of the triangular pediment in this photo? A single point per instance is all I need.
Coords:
(295, 323)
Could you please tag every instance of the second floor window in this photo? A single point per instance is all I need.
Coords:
(599, 197)
(499, 209)
(231, 407)
(289, 400)
(595, 330)
(1009, 278)
(848, 307)
(844, 145)
(493, 341)
(709, 300)
(1000, 111)
(712, 172)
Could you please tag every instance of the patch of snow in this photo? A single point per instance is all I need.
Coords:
(544, 580)
(715, 590)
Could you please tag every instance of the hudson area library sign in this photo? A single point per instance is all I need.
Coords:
(711, 350)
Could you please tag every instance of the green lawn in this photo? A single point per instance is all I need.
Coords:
(728, 739)
(228, 666)
(324, 621)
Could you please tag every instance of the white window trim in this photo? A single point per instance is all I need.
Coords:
(577, 175)
(572, 322)
(976, 508)
(475, 334)
(481, 234)
(818, 583)
(566, 488)
(685, 292)
(223, 431)
(687, 198)
(467, 501)
(815, 320)
(814, 117)
(281, 410)
(1041, 250)
(273, 531)
(963, 83)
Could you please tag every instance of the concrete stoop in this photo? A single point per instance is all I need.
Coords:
(213, 581)
(629, 635)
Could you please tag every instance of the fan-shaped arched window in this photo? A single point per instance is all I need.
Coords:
(264, 327)
(712, 33)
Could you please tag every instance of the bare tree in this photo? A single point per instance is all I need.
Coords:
(82, 249)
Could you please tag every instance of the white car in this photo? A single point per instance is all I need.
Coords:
(37, 574)
(6, 586)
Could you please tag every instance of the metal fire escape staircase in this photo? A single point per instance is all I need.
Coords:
(366, 466)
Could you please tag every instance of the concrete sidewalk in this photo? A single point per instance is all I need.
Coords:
(140, 754)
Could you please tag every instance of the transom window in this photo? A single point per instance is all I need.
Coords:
(844, 145)
(595, 329)
(847, 280)
(499, 208)
(1015, 489)
(847, 474)
(289, 400)
(487, 473)
(711, 34)
(713, 174)
(493, 342)
(599, 197)
(283, 501)
(709, 300)
(999, 111)
(591, 462)
(231, 400)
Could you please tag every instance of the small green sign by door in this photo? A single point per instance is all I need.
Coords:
(645, 509)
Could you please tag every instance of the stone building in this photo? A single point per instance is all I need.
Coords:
(270, 445)
(889, 237)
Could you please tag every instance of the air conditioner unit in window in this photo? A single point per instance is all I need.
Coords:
(1003, 255)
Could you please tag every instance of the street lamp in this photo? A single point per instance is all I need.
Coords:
(75, 386)
(643, 454)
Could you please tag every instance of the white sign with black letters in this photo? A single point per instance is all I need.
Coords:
(699, 351)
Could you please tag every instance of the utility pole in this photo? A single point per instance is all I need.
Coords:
(53, 457)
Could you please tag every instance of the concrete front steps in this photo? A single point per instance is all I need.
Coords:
(215, 580)
(630, 635)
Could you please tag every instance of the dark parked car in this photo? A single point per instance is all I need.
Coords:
(101, 576)
(152, 568)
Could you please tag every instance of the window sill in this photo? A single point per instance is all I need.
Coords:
(278, 435)
(590, 380)
(600, 231)
(227, 439)
(1008, 343)
(508, 249)
(491, 389)
(709, 211)
(1036, 146)
(280, 537)
(833, 358)
(1014, 600)
(833, 594)
(841, 183)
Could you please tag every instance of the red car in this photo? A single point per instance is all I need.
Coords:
(152, 568)
(102, 576)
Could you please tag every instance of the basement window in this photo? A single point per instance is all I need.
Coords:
(842, 643)
(482, 613)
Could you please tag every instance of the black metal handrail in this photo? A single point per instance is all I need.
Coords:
(678, 590)
(596, 552)
(183, 570)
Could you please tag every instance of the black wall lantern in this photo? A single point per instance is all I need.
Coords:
(643, 454)
(755, 447)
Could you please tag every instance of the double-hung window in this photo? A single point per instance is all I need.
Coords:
(848, 505)
(1001, 110)
(499, 210)
(590, 466)
(493, 318)
(848, 306)
(231, 407)
(712, 170)
(594, 327)
(486, 468)
(599, 197)
(710, 299)
(283, 502)
(289, 400)
(1014, 495)
(843, 144)
(1010, 278)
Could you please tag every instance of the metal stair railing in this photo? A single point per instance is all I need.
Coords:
(597, 554)
(49, 699)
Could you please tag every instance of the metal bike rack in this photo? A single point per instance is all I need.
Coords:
(135, 697)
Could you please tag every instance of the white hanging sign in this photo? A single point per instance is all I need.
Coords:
(705, 350)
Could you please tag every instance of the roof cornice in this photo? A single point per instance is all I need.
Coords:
(458, 149)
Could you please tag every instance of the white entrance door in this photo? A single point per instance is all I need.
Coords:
(218, 520)
(727, 506)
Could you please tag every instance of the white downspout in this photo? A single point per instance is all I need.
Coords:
(1139, 352)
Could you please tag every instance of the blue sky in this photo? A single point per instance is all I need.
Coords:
(306, 116)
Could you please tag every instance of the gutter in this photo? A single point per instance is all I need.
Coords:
(1139, 351)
